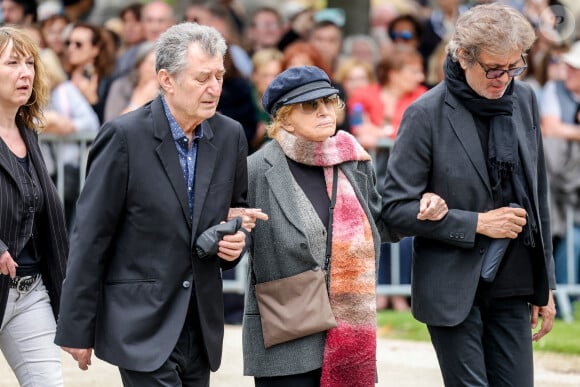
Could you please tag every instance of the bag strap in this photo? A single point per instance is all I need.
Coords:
(331, 219)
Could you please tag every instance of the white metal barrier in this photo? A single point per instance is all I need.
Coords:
(83, 139)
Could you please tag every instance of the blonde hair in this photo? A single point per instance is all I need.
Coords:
(55, 74)
(265, 56)
(279, 120)
(23, 45)
(346, 66)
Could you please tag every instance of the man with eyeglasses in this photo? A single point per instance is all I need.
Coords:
(475, 140)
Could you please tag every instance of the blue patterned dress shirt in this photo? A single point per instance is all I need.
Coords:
(187, 154)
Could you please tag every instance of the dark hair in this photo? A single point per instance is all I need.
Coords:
(134, 8)
(29, 7)
(53, 18)
(105, 61)
(408, 18)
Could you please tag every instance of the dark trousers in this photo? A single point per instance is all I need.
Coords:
(187, 366)
(308, 379)
(492, 347)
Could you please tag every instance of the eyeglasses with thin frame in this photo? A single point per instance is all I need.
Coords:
(310, 107)
(497, 73)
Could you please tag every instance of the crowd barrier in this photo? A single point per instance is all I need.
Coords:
(562, 293)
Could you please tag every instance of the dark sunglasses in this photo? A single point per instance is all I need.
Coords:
(404, 35)
(497, 73)
(310, 107)
(77, 44)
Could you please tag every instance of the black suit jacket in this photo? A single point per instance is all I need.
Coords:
(438, 150)
(132, 267)
(52, 235)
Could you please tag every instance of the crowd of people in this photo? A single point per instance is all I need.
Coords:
(473, 96)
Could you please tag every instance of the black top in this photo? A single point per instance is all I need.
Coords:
(311, 180)
(515, 274)
(32, 204)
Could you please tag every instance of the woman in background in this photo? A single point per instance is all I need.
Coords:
(267, 64)
(400, 78)
(133, 90)
(90, 63)
(67, 112)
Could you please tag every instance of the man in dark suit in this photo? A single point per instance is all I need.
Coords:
(475, 140)
(135, 290)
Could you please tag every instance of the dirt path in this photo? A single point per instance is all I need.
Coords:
(400, 363)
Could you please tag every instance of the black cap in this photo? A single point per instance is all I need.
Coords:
(295, 85)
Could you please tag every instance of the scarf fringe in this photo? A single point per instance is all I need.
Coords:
(351, 359)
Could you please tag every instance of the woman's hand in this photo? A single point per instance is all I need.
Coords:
(248, 215)
(432, 207)
(87, 86)
(7, 264)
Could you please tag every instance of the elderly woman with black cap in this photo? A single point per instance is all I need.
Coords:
(314, 224)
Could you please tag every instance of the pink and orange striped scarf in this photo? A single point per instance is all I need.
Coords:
(350, 351)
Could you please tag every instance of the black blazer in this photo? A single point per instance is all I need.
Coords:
(132, 267)
(438, 150)
(52, 236)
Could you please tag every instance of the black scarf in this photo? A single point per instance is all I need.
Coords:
(504, 167)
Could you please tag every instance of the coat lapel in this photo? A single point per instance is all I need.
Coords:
(6, 163)
(464, 127)
(167, 154)
(204, 170)
(280, 180)
(526, 157)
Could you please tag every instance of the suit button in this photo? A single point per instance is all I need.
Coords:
(461, 235)
(481, 251)
(186, 284)
(303, 245)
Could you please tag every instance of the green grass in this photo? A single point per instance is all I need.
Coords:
(564, 338)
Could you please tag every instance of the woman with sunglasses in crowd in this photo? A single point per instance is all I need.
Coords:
(90, 63)
(291, 180)
(33, 240)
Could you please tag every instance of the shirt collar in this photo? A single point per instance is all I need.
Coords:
(176, 130)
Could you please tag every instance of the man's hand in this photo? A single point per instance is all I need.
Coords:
(548, 314)
(7, 264)
(231, 246)
(432, 207)
(81, 355)
(248, 215)
(503, 222)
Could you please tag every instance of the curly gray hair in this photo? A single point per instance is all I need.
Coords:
(495, 28)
